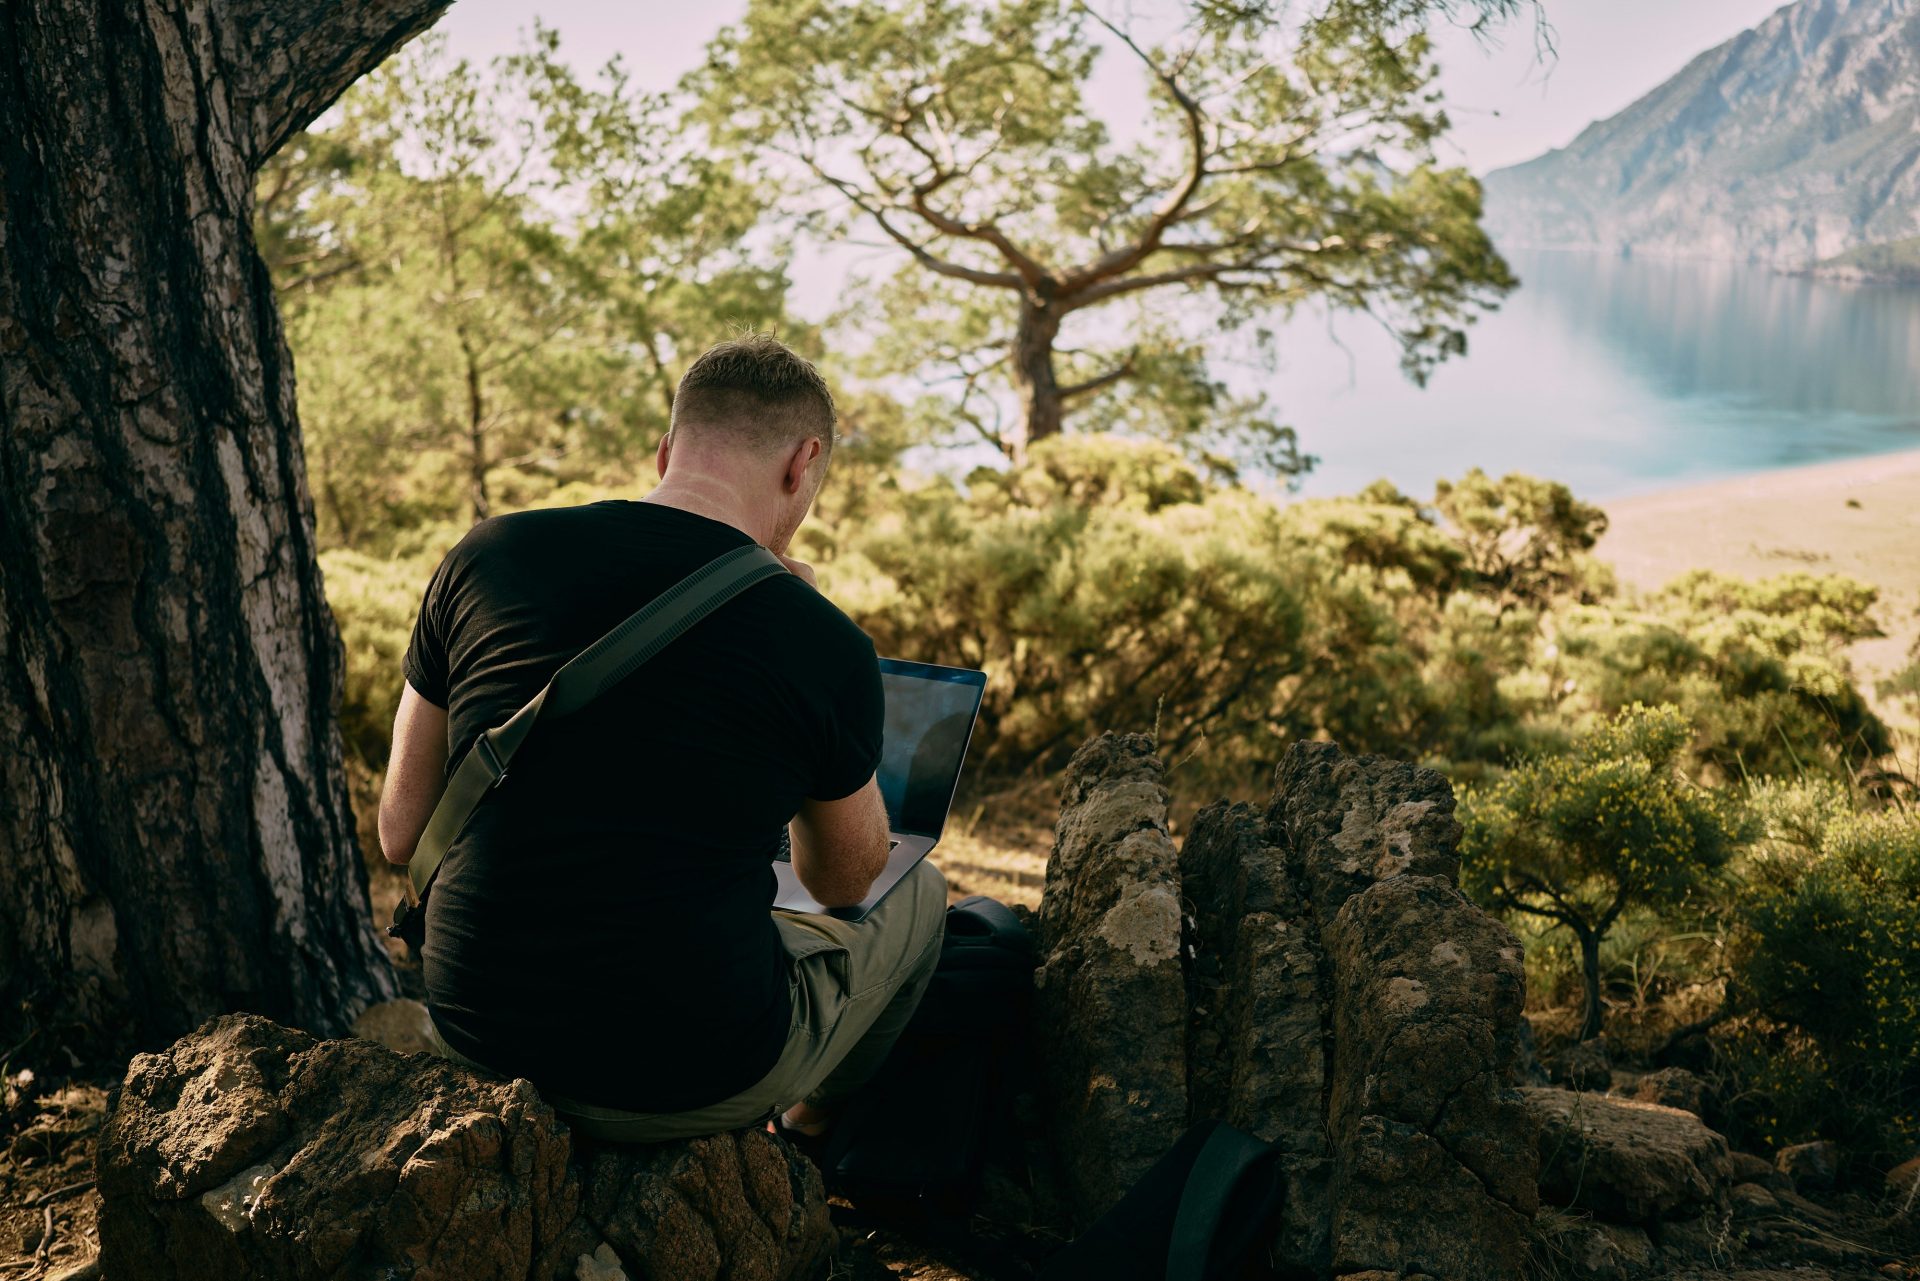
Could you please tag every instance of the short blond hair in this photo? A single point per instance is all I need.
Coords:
(758, 390)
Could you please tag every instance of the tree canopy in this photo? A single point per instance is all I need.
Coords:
(1284, 158)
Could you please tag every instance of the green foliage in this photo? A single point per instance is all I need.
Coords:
(1521, 537)
(1099, 584)
(374, 601)
(1279, 161)
(1758, 668)
(1578, 837)
(491, 280)
(1831, 940)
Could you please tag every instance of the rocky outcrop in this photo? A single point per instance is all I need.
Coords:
(1627, 1160)
(1111, 972)
(1326, 987)
(1672, 1087)
(250, 1150)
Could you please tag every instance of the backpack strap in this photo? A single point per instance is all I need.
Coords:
(590, 673)
(1225, 1159)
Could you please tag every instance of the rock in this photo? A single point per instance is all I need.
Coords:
(1634, 1246)
(1110, 1003)
(1752, 1201)
(1588, 1254)
(402, 1025)
(1338, 997)
(1702, 1239)
(1672, 1087)
(1584, 1065)
(1810, 1165)
(250, 1150)
(1903, 1181)
(1748, 1168)
(1527, 1068)
(1627, 1160)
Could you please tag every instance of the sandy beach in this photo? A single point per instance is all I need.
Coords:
(1859, 517)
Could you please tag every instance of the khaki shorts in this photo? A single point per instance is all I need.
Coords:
(854, 985)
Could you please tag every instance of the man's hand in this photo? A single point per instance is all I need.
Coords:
(801, 568)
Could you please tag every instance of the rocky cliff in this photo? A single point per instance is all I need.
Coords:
(1790, 144)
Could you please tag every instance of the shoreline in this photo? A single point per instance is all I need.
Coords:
(1855, 516)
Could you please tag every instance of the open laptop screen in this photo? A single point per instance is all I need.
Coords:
(930, 713)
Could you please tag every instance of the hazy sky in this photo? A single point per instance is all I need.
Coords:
(1507, 104)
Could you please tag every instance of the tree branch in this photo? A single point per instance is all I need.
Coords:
(921, 254)
(1127, 257)
(1107, 379)
(294, 57)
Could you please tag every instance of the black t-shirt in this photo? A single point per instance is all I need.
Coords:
(602, 926)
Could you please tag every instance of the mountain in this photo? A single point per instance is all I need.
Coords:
(1791, 144)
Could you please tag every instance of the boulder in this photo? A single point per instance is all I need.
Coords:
(1903, 1181)
(1748, 1168)
(402, 1025)
(1110, 991)
(1627, 1160)
(1672, 1087)
(1753, 1201)
(1584, 1065)
(1326, 988)
(250, 1150)
(1811, 1166)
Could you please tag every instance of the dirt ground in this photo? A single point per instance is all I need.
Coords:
(48, 1205)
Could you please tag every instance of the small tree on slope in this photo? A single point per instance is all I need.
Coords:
(1578, 838)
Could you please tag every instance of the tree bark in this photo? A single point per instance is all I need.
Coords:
(1590, 973)
(1042, 408)
(175, 835)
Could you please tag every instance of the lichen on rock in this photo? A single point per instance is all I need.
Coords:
(1326, 988)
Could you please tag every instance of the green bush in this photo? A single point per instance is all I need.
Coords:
(1831, 943)
(1577, 838)
(374, 601)
(1758, 668)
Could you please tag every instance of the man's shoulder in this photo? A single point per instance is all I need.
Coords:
(824, 621)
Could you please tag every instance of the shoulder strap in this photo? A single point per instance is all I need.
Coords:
(590, 673)
(1227, 1156)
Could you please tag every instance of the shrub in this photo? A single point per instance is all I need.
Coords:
(1831, 943)
(1578, 838)
(1758, 668)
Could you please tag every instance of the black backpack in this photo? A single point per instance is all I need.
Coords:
(917, 1136)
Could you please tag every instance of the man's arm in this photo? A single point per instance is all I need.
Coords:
(416, 774)
(840, 847)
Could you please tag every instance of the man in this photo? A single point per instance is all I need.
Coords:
(603, 925)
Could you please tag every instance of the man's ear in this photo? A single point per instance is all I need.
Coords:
(799, 461)
(660, 454)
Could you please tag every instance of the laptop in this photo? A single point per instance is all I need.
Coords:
(929, 721)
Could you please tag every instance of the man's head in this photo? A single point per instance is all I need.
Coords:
(755, 416)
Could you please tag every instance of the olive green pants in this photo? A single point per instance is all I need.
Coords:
(854, 986)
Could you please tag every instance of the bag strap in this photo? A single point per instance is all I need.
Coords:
(1222, 1162)
(590, 673)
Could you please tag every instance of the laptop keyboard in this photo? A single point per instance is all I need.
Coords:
(785, 853)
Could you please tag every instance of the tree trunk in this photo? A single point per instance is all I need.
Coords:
(1041, 405)
(175, 835)
(476, 437)
(1590, 972)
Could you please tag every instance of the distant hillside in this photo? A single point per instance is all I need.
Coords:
(1790, 144)
(1896, 262)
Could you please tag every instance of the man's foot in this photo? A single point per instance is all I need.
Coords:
(803, 1119)
(804, 1128)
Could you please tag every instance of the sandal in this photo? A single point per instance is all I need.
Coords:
(811, 1146)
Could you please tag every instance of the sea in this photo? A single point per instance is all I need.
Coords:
(1617, 376)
